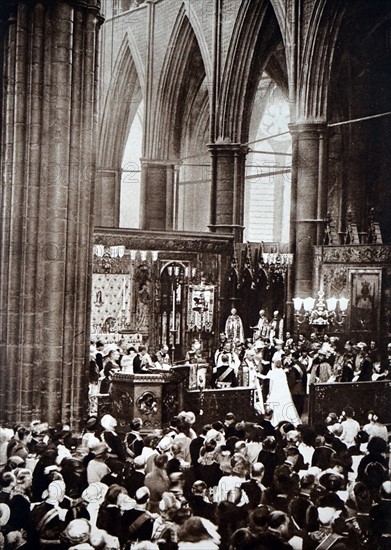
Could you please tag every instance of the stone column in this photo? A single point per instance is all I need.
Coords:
(308, 201)
(227, 167)
(48, 166)
(157, 195)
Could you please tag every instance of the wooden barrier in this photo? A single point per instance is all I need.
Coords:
(361, 396)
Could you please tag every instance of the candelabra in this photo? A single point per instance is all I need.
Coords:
(320, 312)
(178, 274)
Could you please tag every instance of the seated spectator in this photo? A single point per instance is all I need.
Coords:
(48, 518)
(137, 522)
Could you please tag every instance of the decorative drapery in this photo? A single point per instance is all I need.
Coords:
(200, 308)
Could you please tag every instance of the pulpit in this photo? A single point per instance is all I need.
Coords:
(152, 397)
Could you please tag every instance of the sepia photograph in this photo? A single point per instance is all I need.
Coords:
(195, 274)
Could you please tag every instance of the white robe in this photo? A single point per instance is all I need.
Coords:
(280, 398)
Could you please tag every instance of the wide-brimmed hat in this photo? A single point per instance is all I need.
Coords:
(343, 459)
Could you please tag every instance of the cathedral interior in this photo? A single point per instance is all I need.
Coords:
(165, 161)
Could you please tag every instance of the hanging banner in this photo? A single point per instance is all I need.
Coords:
(200, 308)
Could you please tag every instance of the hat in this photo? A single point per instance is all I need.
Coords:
(136, 423)
(98, 447)
(5, 513)
(95, 492)
(330, 500)
(164, 444)
(125, 502)
(139, 462)
(278, 341)
(16, 461)
(55, 492)
(6, 479)
(361, 345)
(22, 475)
(259, 344)
(230, 416)
(331, 482)
(142, 495)
(168, 502)
(77, 531)
(343, 459)
(108, 422)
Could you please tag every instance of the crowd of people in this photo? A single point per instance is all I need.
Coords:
(228, 485)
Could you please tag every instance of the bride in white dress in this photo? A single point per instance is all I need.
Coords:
(279, 399)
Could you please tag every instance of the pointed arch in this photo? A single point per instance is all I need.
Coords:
(181, 78)
(122, 101)
(314, 78)
(255, 36)
(200, 35)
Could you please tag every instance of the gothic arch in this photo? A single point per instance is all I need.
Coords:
(202, 43)
(122, 101)
(178, 87)
(313, 80)
(255, 37)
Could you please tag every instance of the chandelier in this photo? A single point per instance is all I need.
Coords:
(320, 312)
